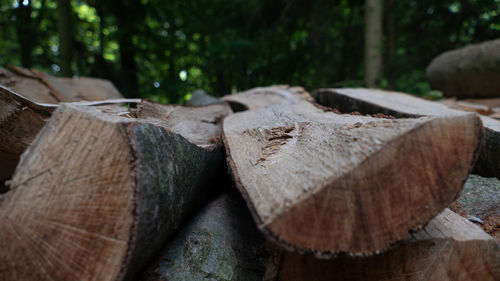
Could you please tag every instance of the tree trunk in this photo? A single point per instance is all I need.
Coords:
(100, 208)
(391, 44)
(65, 37)
(469, 72)
(221, 243)
(325, 182)
(402, 105)
(26, 34)
(449, 248)
(373, 42)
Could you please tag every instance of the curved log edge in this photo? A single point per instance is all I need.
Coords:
(449, 248)
(305, 172)
(372, 101)
(101, 208)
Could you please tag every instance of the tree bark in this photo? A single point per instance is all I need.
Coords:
(64, 27)
(100, 208)
(469, 72)
(373, 42)
(449, 248)
(402, 105)
(480, 202)
(26, 34)
(325, 182)
(220, 243)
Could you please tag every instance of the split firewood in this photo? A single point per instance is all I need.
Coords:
(325, 182)
(267, 96)
(20, 121)
(469, 72)
(42, 87)
(372, 101)
(220, 242)
(96, 195)
(30, 87)
(480, 203)
(449, 248)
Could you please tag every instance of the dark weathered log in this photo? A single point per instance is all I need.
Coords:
(96, 195)
(371, 101)
(20, 120)
(220, 243)
(325, 182)
(469, 72)
(449, 248)
(267, 96)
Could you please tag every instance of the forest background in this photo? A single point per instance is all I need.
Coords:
(163, 50)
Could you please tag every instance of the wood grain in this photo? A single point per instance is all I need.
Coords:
(325, 182)
(449, 248)
(373, 101)
(96, 195)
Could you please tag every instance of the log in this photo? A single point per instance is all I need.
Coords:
(449, 248)
(480, 202)
(42, 87)
(78, 88)
(372, 101)
(200, 97)
(20, 121)
(325, 182)
(469, 72)
(30, 87)
(96, 195)
(199, 124)
(267, 96)
(220, 243)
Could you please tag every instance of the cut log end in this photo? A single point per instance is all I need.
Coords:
(449, 248)
(339, 195)
(100, 208)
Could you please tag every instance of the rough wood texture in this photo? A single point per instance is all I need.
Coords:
(371, 101)
(449, 248)
(325, 182)
(220, 243)
(480, 202)
(78, 88)
(20, 121)
(42, 87)
(101, 207)
(268, 96)
(469, 72)
(30, 87)
(199, 124)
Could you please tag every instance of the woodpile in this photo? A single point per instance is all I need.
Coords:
(262, 185)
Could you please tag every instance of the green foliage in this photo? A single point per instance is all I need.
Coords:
(163, 50)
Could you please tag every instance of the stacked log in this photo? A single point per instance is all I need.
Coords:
(117, 193)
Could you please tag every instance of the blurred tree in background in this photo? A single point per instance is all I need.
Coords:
(166, 49)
